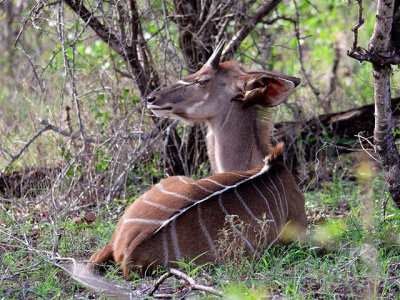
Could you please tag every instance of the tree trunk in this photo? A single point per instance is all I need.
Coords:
(383, 135)
(383, 51)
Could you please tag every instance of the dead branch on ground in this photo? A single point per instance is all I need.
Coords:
(187, 278)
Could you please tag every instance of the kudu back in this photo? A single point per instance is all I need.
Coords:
(180, 218)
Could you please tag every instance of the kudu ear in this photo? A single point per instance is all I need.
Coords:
(266, 89)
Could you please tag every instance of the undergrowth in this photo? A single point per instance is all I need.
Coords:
(352, 251)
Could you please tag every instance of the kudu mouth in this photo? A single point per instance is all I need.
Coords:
(160, 111)
(157, 107)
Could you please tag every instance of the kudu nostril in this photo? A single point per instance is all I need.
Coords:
(151, 99)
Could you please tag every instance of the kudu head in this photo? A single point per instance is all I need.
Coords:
(202, 95)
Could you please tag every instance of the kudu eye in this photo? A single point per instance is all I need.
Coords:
(151, 98)
(202, 82)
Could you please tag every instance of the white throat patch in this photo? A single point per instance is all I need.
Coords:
(192, 109)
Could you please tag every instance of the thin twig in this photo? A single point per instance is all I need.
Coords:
(193, 283)
(158, 282)
(169, 40)
(136, 154)
(30, 60)
(335, 66)
(187, 278)
(132, 136)
(360, 137)
(263, 10)
(315, 91)
(279, 17)
(15, 157)
(70, 70)
(355, 28)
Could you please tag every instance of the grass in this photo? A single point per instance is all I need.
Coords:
(352, 251)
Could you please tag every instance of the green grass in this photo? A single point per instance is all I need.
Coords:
(349, 255)
(352, 252)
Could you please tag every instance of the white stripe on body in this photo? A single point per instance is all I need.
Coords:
(240, 175)
(205, 231)
(280, 198)
(269, 208)
(284, 194)
(158, 205)
(280, 211)
(162, 190)
(175, 244)
(196, 184)
(146, 221)
(183, 180)
(215, 182)
(165, 247)
(245, 205)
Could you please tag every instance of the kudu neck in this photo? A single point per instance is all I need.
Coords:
(235, 141)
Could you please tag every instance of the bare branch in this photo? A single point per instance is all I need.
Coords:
(69, 69)
(127, 52)
(169, 40)
(333, 75)
(108, 37)
(28, 143)
(159, 281)
(279, 17)
(135, 156)
(315, 91)
(265, 8)
(381, 58)
(133, 136)
(355, 29)
(188, 279)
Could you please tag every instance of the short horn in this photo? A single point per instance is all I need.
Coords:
(213, 61)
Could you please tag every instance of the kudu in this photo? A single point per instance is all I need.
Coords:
(234, 104)
(180, 217)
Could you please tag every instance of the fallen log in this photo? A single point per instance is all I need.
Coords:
(341, 131)
(27, 182)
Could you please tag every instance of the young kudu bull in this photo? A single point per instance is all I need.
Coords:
(180, 217)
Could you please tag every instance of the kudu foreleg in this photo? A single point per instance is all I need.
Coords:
(101, 257)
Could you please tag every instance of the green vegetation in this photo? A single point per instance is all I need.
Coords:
(352, 249)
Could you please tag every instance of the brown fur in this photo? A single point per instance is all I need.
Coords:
(142, 246)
